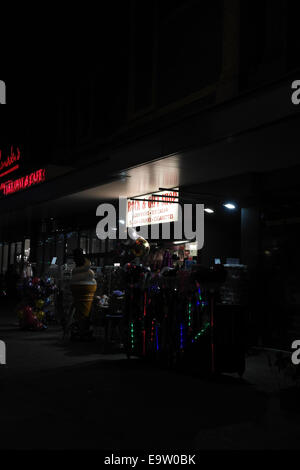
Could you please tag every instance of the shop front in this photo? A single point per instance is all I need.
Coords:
(166, 288)
(227, 178)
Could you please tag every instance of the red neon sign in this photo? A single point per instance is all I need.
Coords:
(10, 160)
(24, 182)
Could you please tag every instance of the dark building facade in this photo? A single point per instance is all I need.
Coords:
(188, 94)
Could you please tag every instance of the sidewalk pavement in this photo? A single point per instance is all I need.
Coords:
(61, 395)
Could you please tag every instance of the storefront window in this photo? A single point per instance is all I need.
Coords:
(47, 249)
(89, 243)
(12, 253)
(95, 245)
(102, 246)
(72, 242)
(83, 244)
(60, 248)
(39, 256)
(5, 258)
(111, 245)
(26, 249)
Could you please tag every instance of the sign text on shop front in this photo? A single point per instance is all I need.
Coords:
(152, 209)
(9, 162)
(24, 182)
(189, 223)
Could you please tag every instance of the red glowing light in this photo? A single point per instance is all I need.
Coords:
(144, 342)
(9, 171)
(24, 182)
(145, 304)
(10, 160)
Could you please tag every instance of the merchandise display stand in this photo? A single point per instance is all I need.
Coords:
(174, 319)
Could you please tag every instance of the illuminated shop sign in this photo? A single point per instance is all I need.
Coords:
(9, 163)
(24, 182)
(152, 209)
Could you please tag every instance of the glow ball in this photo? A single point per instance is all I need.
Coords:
(20, 314)
(141, 247)
(27, 310)
(39, 304)
(40, 315)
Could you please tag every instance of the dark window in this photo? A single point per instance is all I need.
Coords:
(293, 36)
(143, 53)
(190, 47)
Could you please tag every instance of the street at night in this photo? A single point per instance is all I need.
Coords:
(71, 396)
(149, 231)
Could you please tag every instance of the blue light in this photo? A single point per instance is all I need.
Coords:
(181, 336)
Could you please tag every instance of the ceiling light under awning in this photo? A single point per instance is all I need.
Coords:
(230, 206)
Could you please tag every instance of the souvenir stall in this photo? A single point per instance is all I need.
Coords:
(173, 313)
(154, 301)
(171, 316)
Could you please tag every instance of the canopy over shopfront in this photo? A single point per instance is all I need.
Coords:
(262, 150)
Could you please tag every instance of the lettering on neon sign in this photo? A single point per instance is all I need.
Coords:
(10, 163)
(25, 182)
